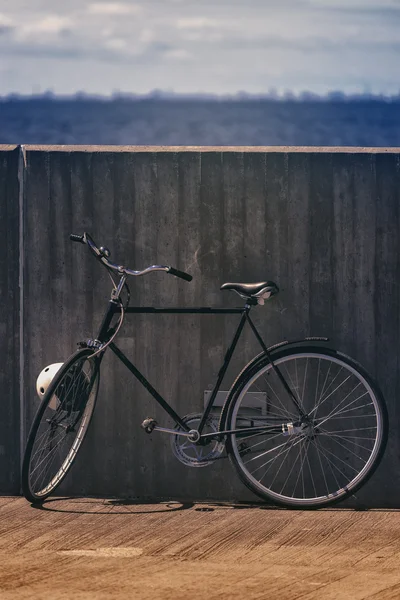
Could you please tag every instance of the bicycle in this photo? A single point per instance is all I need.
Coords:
(304, 425)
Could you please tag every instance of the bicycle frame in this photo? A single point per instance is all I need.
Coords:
(105, 333)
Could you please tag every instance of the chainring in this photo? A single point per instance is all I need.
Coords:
(197, 455)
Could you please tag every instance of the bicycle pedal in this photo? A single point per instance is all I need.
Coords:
(149, 424)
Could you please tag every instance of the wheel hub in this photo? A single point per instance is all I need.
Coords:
(305, 428)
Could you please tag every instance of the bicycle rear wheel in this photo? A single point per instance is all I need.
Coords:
(314, 460)
(60, 425)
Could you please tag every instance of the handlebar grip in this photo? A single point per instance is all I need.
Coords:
(77, 238)
(180, 274)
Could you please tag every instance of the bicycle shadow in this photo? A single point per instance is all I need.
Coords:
(124, 506)
(97, 506)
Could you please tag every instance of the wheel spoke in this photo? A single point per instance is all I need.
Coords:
(270, 438)
(322, 472)
(329, 463)
(304, 384)
(61, 435)
(281, 465)
(335, 438)
(294, 387)
(333, 414)
(271, 462)
(60, 440)
(324, 391)
(282, 449)
(301, 457)
(326, 454)
(321, 401)
(285, 410)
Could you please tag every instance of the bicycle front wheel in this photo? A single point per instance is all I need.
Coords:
(60, 425)
(315, 456)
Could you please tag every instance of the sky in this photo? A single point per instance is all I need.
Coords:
(192, 46)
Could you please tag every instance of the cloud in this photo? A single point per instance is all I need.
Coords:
(147, 35)
(195, 23)
(6, 25)
(4, 20)
(113, 8)
(220, 46)
(44, 50)
(333, 44)
(116, 44)
(200, 29)
(386, 15)
(113, 51)
(364, 9)
(5, 29)
(177, 54)
(51, 25)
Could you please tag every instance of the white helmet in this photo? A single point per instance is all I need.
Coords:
(44, 380)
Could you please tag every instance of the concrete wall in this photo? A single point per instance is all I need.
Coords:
(323, 223)
(9, 321)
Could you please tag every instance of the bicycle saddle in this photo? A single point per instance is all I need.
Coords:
(261, 291)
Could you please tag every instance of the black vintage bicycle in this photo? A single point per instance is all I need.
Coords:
(304, 425)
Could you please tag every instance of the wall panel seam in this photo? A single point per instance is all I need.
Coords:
(21, 182)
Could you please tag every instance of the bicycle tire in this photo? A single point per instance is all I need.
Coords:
(314, 442)
(67, 405)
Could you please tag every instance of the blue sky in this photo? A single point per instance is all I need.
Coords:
(189, 46)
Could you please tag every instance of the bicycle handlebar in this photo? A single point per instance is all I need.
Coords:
(180, 274)
(103, 257)
(77, 238)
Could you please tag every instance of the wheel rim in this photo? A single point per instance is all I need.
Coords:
(62, 426)
(314, 461)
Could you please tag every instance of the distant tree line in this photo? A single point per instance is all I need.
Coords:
(272, 95)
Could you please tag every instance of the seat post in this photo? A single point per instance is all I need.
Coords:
(249, 303)
(248, 306)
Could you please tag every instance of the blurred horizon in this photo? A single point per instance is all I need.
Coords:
(241, 96)
(202, 121)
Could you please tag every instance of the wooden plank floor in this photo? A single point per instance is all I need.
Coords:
(100, 548)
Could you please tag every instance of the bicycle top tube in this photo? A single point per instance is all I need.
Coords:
(103, 253)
